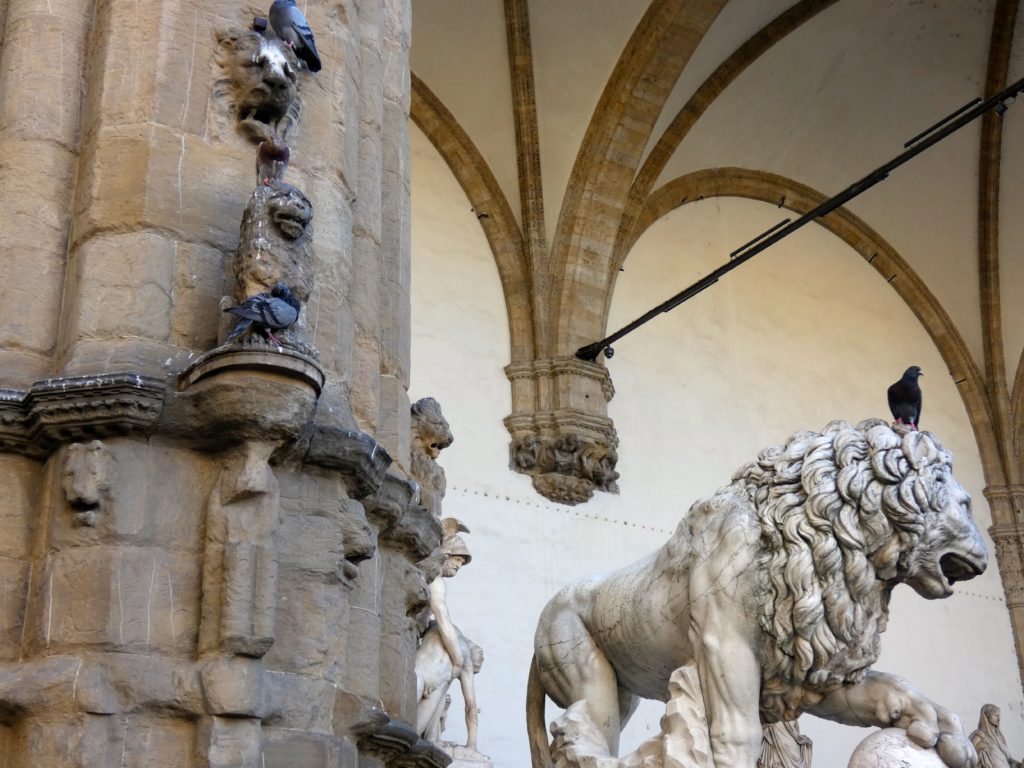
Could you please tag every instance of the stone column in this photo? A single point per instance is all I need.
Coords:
(41, 62)
(395, 234)
(190, 574)
(1007, 532)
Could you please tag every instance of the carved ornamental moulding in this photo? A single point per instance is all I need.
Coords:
(561, 434)
(53, 411)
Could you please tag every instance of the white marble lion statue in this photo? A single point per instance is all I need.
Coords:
(775, 589)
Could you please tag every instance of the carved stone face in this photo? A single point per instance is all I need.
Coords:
(88, 474)
(452, 564)
(430, 429)
(290, 211)
(951, 548)
(358, 542)
(261, 79)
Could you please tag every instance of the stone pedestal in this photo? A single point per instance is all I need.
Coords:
(464, 757)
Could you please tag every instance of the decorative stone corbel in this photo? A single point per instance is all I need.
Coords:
(396, 744)
(561, 434)
(360, 459)
(54, 411)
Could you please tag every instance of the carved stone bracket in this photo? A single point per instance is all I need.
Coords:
(360, 459)
(561, 433)
(396, 744)
(256, 356)
(250, 392)
(55, 411)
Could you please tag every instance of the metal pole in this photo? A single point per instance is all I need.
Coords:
(918, 144)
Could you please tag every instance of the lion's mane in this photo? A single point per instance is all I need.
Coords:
(840, 511)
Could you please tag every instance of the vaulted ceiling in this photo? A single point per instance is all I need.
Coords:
(573, 125)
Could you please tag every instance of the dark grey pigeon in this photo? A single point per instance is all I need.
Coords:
(266, 312)
(292, 27)
(905, 398)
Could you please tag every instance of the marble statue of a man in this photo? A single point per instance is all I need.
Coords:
(445, 654)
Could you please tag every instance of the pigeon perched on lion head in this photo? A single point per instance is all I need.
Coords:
(291, 26)
(905, 398)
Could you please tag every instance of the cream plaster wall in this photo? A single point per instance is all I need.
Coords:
(805, 333)
(572, 63)
(838, 97)
(459, 50)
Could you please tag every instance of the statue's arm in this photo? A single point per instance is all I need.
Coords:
(888, 701)
(445, 627)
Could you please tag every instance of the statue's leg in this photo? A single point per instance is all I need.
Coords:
(731, 680)
(429, 710)
(599, 687)
(889, 701)
(572, 668)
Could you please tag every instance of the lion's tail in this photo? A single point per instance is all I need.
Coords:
(540, 749)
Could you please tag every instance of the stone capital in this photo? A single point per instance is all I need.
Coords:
(561, 433)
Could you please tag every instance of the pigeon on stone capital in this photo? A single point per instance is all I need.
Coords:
(271, 161)
(291, 26)
(266, 312)
(905, 398)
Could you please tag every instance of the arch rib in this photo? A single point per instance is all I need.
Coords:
(492, 210)
(799, 198)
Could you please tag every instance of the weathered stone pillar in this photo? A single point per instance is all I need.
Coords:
(41, 62)
(204, 563)
(1007, 532)
(395, 234)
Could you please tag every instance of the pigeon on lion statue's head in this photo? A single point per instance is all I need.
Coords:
(775, 589)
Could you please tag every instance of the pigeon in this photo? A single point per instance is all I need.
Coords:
(291, 26)
(905, 398)
(271, 161)
(268, 312)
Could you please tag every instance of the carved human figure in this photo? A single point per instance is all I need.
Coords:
(87, 479)
(988, 740)
(430, 435)
(435, 673)
(240, 561)
(445, 654)
(783, 746)
(777, 589)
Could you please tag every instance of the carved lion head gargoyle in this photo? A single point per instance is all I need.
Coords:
(260, 83)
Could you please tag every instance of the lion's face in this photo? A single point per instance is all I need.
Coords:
(950, 548)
